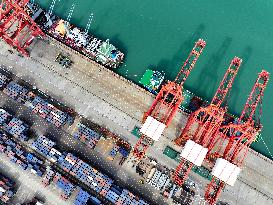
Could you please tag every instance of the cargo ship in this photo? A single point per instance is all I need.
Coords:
(92, 47)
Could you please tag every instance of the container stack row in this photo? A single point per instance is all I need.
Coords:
(56, 116)
(66, 162)
(64, 184)
(159, 180)
(17, 155)
(128, 198)
(92, 178)
(47, 111)
(113, 194)
(48, 176)
(82, 198)
(86, 135)
(4, 117)
(6, 189)
(36, 103)
(39, 106)
(3, 80)
(45, 146)
(61, 182)
(13, 125)
(14, 90)
(18, 92)
(17, 128)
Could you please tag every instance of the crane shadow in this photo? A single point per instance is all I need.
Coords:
(171, 67)
(246, 53)
(209, 72)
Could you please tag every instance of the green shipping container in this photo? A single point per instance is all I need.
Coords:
(171, 152)
(136, 132)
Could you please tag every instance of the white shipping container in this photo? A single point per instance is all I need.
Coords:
(2, 190)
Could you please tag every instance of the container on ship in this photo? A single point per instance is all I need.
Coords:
(95, 49)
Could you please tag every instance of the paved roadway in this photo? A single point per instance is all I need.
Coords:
(112, 102)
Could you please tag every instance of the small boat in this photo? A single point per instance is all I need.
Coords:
(152, 80)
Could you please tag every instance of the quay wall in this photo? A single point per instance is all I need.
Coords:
(112, 101)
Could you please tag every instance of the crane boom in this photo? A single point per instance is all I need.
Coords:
(238, 137)
(190, 62)
(202, 127)
(166, 104)
(204, 116)
(227, 81)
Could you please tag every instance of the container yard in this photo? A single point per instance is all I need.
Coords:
(13, 125)
(88, 175)
(69, 163)
(66, 161)
(85, 135)
(7, 190)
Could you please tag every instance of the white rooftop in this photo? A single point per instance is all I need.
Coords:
(194, 152)
(152, 128)
(226, 171)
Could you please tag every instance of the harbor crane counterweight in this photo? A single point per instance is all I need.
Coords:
(166, 104)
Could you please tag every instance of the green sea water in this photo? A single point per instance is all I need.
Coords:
(159, 34)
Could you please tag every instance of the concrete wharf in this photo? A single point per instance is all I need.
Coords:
(114, 102)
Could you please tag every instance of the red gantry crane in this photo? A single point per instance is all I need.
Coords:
(238, 137)
(16, 27)
(202, 126)
(166, 104)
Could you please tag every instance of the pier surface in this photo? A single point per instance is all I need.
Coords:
(114, 102)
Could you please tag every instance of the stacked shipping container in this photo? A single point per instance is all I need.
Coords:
(13, 90)
(90, 176)
(39, 106)
(45, 147)
(19, 156)
(56, 116)
(4, 116)
(64, 184)
(3, 80)
(82, 198)
(159, 180)
(6, 189)
(128, 198)
(17, 128)
(86, 135)
(13, 125)
(35, 103)
(47, 178)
